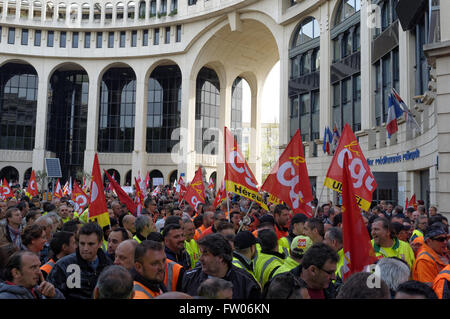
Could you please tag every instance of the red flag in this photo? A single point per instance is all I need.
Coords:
(180, 186)
(289, 180)
(80, 198)
(412, 202)
(195, 193)
(58, 190)
(358, 250)
(123, 196)
(139, 197)
(97, 207)
(211, 184)
(32, 189)
(147, 180)
(363, 181)
(239, 179)
(6, 191)
(221, 195)
(406, 203)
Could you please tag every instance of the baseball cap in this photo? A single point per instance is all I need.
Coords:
(301, 244)
(244, 239)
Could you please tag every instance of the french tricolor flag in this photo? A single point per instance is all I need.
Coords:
(394, 112)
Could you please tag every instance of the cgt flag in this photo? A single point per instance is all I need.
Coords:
(123, 196)
(180, 186)
(195, 193)
(239, 179)
(32, 189)
(358, 250)
(98, 210)
(80, 199)
(289, 180)
(6, 190)
(363, 181)
(139, 198)
(58, 193)
(221, 195)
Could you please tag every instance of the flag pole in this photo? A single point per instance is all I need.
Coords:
(242, 224)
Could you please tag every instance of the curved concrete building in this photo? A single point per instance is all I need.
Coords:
(150, 84)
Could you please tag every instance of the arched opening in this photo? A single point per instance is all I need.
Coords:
(128, 178)
(97, 12)
(24, 9)
(18, 105)
(67, 117)
(11, 9)
(117, 110)
(108, 12)
(142, 10)
(163, 108)
(207, 103)
(49, 11)
(114, 174)
(152, 8)
(131, 8)
(62, 12)
(37, 10)
(241, 113)
(11, 174)
(156, 178)
(213, 179)
(119, 11)
(85, 11)
(173, 177)
(27, 174)
(74, 12)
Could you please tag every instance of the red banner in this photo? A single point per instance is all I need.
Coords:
(239, 179)
(97, 208)
(221, 195)
(80, 199)
(289, 180)
(58, 190)
(32, 189)
(139, 197)
(363, 181)
(6, 190)
(358, 250)
(195, 193)
(123, 196)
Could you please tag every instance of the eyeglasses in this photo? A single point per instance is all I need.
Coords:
(329, 272)
(440, 239)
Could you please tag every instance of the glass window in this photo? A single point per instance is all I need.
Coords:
(167, 37)
(75, 40)
(178, 39)
(145, 38)
(99, 40)
(50, 38)
(309, 29)
(11, 35)
(294, 122)
(133, 38)
(122, 39)
(62, 39)
(163, 6)
(87, 40)
(295, 67)
(152, 8)
(305, 120)
(357, 103)
(24, 40)
(37, 38)
(156, 38)
(110, 39)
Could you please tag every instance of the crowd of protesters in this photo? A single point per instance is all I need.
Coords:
(237, 250)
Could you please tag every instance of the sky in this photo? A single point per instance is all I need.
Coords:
(270, 98)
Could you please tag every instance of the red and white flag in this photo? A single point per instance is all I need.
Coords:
(221, 195)
(32, 189)
(147, 181)
(239, 179)
(364, 182)
(211, 184)
(156, 191)
(80, 199)
(195, 193)
(139, 198)
(58, 193)
(98, 211)
(6, 190)
(413, 202)
(181, 187)
(123, 196)
(358, 250)
(85, 185)
(289, 179)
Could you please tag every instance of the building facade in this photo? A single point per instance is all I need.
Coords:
(149, 85)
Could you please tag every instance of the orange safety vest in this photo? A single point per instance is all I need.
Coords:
(171, 275)
(142, 292)
(440, 283)
(47, 267)
(427, 265)
(198, 232)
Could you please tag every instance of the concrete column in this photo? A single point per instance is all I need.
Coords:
(186, 151)
(367, 105)
(92, 121)
(139, 156)
(325, 62)
(255, 161)
(147, 10)
(445, 21)
(41, 117)
(224, 120)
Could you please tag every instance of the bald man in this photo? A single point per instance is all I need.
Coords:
(128, 223)
(125, 254)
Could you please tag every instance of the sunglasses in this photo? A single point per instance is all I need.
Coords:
(440, 239)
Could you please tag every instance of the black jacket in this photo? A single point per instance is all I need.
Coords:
(330, 292)
(181, 258)
(153, 286)
(243, 286)
(60, 273)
